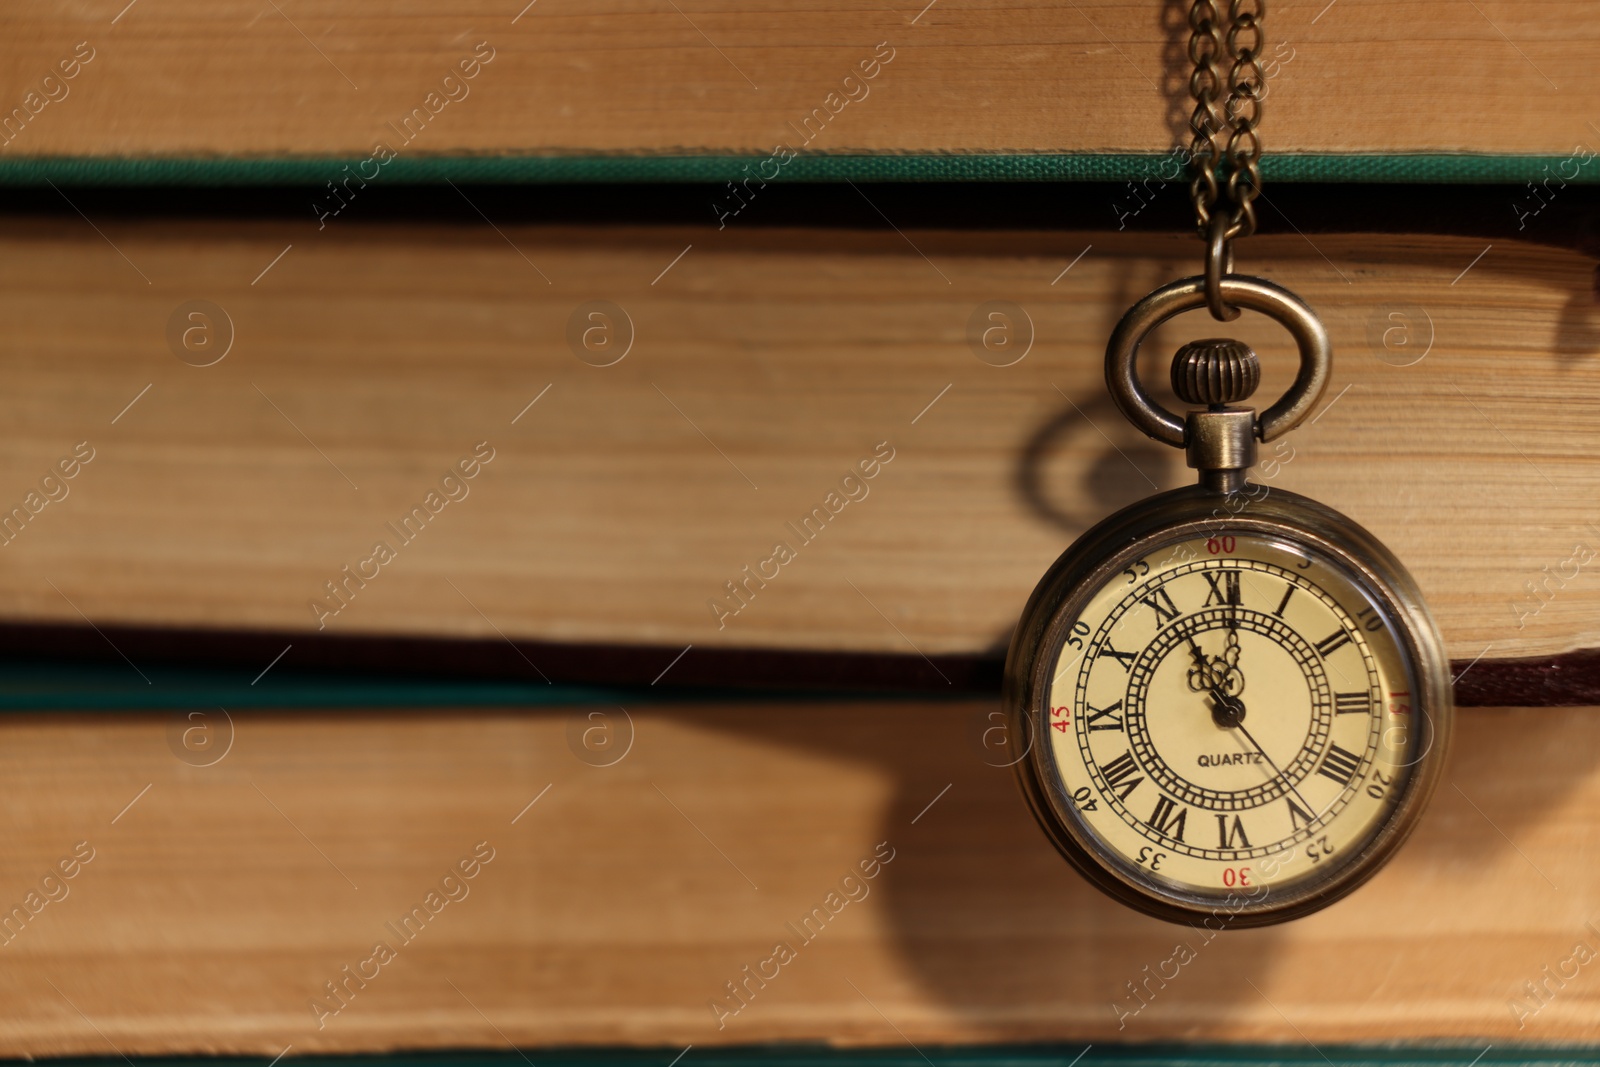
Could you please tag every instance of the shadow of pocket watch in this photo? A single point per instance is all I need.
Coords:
(1229, 703)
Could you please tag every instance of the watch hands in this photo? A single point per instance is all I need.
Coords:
(1275, 768)
(1233, 616)
(1227, 710)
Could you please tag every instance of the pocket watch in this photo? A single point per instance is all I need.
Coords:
(1228, 701)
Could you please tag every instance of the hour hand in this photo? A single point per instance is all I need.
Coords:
(1226, 710)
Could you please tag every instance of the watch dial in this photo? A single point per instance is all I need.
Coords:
(1232, 715)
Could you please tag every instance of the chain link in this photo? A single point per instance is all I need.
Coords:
(1235, 108)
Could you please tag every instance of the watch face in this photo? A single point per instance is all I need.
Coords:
(1232, 717)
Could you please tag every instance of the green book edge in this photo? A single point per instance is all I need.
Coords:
(117, 688)
(21, 171)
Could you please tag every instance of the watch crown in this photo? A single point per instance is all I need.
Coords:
(1217, 370)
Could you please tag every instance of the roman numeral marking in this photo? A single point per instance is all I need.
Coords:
(1287, 593)
(1339, 765)
(1164, 821)
(1161, 601)
(1234, 836)
(1120, 770)
(1124, 658)
(1298, 816)
(1352, 703)
(1332, 643)
(1110, 713)
(1225, 590)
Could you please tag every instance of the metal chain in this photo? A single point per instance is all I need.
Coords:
(1247, 85)
(1208, 117)
(1239, 113)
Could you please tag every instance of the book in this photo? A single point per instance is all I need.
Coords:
(604, 434)
(193, 82)
(198, 882)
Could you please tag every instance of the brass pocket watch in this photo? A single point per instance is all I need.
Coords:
(1228, 703)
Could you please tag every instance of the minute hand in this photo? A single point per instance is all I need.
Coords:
(1275, 769)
